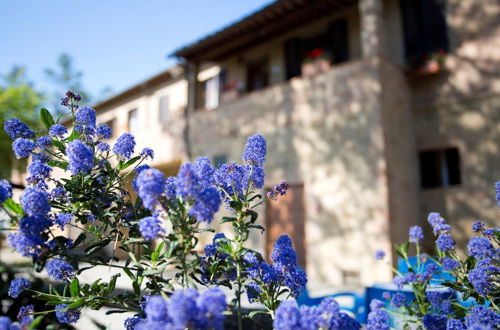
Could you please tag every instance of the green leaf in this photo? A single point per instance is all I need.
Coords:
(46, 118)
(252, 314)
(57, 163)
(203, 230)
(112, 283)
(137, 288)
(79, 239)
(77, 303)
(127, 164)
(13, 206)
(402, 250)
(59, 145)
(257, 227)
(74, 289)
(73, 136)
(36, 322)
(227, 219)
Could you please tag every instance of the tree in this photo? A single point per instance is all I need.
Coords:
(19, 99)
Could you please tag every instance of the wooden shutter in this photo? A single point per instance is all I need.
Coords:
(287, 216)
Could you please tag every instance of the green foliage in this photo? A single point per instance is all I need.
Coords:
(18, 98)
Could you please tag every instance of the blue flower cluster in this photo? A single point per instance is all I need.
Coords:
(124, 146)
(150, 228)
(378, 318)
(38, 171)
(59, 269)
(62, 219)
(283, 272)
(150, 185)
(147, 153)
(255, 150)
(17, 286)
(23, 147)
(416, 234)
(186, 309)
(86, 116)
(15, 128)
(25, 316)
(35, 202)
(278, 190)
(57, 130)
(326, 315)
(103, 132)
(67, 315)
(80, 157)
(5, 190)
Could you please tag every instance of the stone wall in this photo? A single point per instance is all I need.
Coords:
(326, 133)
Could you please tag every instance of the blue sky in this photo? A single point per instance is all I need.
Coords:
(115, 43)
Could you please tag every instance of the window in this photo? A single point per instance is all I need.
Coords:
(334, 42)
(257, 74)
(424, 27)
(440, 168)
(219, 160)
(209, 93)
(133, 121)
(164, 109)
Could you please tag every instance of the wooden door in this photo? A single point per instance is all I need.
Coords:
(287, 216)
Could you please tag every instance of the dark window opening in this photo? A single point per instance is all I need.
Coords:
(424, 28)
(440, 168)
(333, 45)
(257, 75)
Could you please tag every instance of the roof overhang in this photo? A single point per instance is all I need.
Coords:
(278, 17)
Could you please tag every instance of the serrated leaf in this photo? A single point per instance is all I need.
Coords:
(46, 118)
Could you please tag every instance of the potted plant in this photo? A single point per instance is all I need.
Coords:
(315, 61)
(232, 91)
(428, 65)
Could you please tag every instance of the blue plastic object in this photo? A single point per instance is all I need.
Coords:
(437, 278)
(356, 310)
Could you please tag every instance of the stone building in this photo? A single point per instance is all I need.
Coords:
(376, 112)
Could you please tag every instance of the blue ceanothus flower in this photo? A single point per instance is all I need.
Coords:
(67, 315)
(57, 130)
(15, 128)
(5, 190)
(124, 146)
(150, 228)
(35, 202)
(255, 150)
(186, 309)
(23, 147)
(80, 157)
(17, 286)
(86, 116)
(416, 234)
(150, 185)
(103, 132)
(206, 205)
(59, 269)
